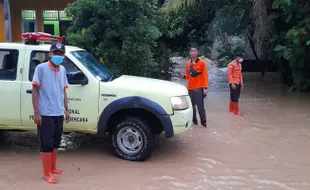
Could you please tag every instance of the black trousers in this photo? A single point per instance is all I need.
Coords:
(50, 132)
(197, 98)
(235, 93)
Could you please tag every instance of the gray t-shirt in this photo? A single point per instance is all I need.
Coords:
(53, 83)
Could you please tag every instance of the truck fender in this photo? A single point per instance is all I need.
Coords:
(135, 102)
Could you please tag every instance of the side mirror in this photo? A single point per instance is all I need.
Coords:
(77, 78)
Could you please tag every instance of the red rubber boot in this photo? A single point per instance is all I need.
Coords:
(231, 107)
(46, 163)
(236, 110)
(53, 163)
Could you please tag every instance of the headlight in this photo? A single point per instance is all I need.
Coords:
(179, 102)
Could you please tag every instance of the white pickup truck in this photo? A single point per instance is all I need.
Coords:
(132, 110)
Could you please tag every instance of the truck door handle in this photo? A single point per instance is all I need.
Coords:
(29, 91)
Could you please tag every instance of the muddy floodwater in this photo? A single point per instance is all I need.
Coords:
(268, 148)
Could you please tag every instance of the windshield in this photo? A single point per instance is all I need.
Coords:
(97, 68)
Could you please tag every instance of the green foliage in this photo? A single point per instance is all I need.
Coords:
(177, 5)
(293, 40)
(129, 35)
(203, 21)
(223, 61)
(196, 18)
(227, 20)
(277, 29)
(227, 51)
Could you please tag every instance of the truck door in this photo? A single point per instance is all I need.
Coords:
(11, 60)
(82, 100)
(32, 59)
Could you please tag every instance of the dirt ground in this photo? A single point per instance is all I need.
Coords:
(268, 148)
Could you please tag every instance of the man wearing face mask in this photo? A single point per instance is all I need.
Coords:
(49, 99)
(235, 84)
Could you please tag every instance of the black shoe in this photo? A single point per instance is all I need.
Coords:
(204, 124)
(195, 122)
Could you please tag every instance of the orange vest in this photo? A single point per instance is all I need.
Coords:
(235, 73)
(200, 81)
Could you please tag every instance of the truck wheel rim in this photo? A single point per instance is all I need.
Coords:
(129, 140)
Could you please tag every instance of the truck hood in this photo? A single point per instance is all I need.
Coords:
(148, 86)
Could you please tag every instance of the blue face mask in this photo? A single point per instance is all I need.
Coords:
(57, 60)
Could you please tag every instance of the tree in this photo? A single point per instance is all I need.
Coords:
(292, 19)
(197, 16)
(277, 30)
(7, 20)
(233, 17)
(124, 33)
(177, 5)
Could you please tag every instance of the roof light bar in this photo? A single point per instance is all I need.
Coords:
(34, 37)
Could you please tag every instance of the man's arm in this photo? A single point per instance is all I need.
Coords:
(186, 77)
(205, 75)
(229, 73)
(35, 101)
(67, 113)
(241, 76)
(66, 102)
(36, 84)
(66, 85)
(35, 104)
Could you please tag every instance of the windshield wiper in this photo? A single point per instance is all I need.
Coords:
(113, 77)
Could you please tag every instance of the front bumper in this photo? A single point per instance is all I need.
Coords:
(182, 120)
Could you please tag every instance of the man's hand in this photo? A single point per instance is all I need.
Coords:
(233, 86)
(38, 119)
(181, 75)
(205, 91)
(242, 86)
(67, 116)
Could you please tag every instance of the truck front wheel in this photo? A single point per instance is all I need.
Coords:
(132, 139)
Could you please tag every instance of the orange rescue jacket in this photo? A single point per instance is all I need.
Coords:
(235, 73)
(200, 81)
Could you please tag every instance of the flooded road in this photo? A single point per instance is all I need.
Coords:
(268, 148)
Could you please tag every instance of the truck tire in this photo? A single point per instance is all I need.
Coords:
(132, 139)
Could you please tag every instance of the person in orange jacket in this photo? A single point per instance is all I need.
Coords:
(235, 79)
(198, 81)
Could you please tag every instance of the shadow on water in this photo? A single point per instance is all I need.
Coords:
(28, 142)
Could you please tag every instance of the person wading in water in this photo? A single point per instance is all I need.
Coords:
(235, 80)
(198, 81)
